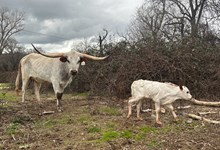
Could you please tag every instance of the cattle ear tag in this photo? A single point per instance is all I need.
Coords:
(63, 59)
(83, 63)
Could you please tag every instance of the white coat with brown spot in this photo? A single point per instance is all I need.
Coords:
(163, 94)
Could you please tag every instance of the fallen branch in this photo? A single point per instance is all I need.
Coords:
(193, 116)
(147, 110)
(204, 103)
(162, 110)
(47, 112)
(206, 113)
(184, 107)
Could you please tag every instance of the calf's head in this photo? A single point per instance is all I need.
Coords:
(184, 93)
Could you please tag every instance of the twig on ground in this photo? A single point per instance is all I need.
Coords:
(206, 113)
(203, 119)
(46, 113)
(184, 107)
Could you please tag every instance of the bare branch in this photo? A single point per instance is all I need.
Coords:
(11, 23)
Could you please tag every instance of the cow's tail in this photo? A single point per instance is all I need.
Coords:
(18, 79)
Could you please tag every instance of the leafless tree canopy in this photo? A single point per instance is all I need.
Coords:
(11, 22)
(175, 19)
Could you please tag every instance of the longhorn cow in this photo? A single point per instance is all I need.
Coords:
(56, 68)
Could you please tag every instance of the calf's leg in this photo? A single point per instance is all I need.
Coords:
(157, 110)
(170, 107)
(139, 109)
(130, 102)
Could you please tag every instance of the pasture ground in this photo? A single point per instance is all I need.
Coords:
(97, 123)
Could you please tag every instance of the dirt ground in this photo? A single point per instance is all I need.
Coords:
(98, 123)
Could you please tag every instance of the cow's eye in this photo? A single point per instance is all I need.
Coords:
(80, 60)
(64, 59)
(187, 92)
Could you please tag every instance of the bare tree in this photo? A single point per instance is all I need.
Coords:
(13, 53)
(175, 19)
(149, 20)
(101, 40)
(191, 10)
(12, 46)
(11, 22)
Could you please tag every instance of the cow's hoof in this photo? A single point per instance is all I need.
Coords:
(159, 123)
(163, 111)
(60, 109)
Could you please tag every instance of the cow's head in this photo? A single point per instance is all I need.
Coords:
(185, 93)
(72, 59)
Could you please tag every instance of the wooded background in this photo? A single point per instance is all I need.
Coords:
(171, 41)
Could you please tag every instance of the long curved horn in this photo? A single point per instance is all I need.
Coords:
(52, 55)
(93, 57)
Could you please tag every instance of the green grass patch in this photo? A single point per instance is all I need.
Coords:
(6, 86)
(21, 119)
(166, 129)
(110, 136)
(153, 144)
(113, 135)
(50, 123)
(94, 129)
(84, 119)
(127, 134)
(147, 129)
(7, 96)
(13, 128)
(143, 131)
(111, 125)
(111, 111)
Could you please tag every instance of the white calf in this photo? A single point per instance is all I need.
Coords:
(163, 94)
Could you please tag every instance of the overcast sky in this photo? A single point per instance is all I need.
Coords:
(61, 22)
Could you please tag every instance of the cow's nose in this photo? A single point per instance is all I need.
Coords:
(73, 72)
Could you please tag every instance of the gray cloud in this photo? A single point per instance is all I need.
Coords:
(61, 20)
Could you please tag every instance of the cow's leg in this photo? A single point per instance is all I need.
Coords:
(130, 102)
(24, 87)
(59, 97)
(170, 107)
(37, 87)
(59, 93)
(157, 110)
(139, 109)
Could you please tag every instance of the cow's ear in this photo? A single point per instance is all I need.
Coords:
(63, 59)
(82, 61)
(181, 87)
